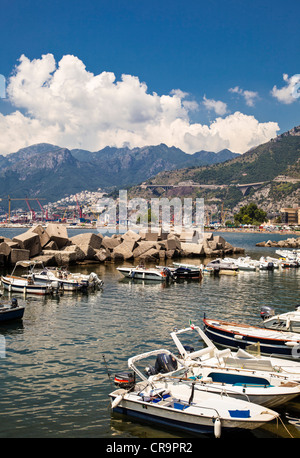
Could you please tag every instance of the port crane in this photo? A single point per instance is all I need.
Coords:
(27, 201)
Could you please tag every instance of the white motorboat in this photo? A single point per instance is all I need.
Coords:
(276, 262)
(289, 258)
(293, 255)
(289, 321)
(218, 377)
(244, 263)
(27, 284)
(240, 361)
(68, 281)
(289, 263)
(207, 270)
(143, 273)
(188, 407)
(223, 266)
(264, 264)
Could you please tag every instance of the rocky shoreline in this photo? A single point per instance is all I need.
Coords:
(291, 242)
(53, 247)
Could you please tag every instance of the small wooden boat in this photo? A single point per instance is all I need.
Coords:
(11, 310)
(187, 407)
(271, 342)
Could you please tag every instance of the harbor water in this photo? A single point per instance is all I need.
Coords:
(58, 364)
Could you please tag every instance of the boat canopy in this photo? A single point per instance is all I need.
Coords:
(28, 263)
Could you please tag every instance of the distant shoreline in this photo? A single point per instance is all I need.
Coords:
(221, 229)
(254, 231)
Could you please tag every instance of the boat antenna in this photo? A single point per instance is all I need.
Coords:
(108, 374)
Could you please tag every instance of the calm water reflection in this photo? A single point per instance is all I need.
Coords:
(53, 379)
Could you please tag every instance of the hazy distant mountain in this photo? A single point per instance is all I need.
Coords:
(52, 172)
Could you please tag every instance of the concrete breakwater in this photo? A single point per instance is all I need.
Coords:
(53, 247)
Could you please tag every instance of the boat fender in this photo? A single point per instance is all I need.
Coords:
(117, 401)
(238, 336)
(217, 428)
(289, 343)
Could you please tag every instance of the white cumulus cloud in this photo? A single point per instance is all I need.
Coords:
(218, 106)
(64, 104)
(290, 92)
(249, 96)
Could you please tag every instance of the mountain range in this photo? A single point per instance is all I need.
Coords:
(51, 172)
(279, 156)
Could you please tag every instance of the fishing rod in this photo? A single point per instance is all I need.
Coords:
(108, 374)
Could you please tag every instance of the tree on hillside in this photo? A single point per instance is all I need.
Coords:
(250, 214)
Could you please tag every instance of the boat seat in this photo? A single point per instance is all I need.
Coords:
(207, 351)
(222, 353)
(255, 364)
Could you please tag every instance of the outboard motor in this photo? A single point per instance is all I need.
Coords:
(94, 280)
(168, 273)
(125, 380)
(165, 363)
(14, 303)
(266, 312)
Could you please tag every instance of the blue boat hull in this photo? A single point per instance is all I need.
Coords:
(267, 346)
(166, 422)
(12, 315)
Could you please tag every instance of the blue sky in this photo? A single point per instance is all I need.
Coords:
(212, 52)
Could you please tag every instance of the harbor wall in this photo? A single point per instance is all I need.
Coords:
(54, 247)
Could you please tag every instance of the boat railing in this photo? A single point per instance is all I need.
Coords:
(205, 386)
